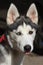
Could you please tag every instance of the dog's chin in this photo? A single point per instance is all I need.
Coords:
(27, 53)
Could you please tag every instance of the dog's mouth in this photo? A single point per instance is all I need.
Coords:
(27, 52)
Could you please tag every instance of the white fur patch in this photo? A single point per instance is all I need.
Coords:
(7, 61)
(10, 43)
(6, 56)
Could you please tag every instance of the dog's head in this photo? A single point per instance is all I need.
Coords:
(23, 27)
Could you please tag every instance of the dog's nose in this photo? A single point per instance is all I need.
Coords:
(27, 48)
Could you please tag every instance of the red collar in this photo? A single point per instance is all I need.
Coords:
(2, 38)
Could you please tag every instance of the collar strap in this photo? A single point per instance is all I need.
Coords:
(2, 38)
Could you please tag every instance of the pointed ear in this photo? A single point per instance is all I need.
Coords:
(32, 13)
(12, 14)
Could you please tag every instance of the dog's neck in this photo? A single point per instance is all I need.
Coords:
(17, 55)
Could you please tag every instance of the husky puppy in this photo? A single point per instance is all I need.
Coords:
(22, 31)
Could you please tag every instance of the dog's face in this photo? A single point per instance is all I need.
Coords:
(23, 29)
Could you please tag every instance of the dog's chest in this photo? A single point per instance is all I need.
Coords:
(13, 58)
(5, 58)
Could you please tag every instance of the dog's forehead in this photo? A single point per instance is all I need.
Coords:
(23, 19)
(20, 20)
(24, 28)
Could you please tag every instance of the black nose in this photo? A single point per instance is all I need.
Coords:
(27, 48)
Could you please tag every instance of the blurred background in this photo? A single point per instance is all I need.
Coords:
(22, 5)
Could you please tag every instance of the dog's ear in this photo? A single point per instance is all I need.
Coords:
(12, 14)
(32, 13)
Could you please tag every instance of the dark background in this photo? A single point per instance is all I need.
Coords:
(22, 5)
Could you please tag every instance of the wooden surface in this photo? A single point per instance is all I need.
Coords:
(33, 60)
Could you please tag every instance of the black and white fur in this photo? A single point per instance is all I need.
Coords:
(22, 31)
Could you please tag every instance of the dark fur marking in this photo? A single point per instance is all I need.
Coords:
(20, 21)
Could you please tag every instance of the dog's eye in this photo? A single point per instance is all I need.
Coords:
(30, 32)
(19, 33)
